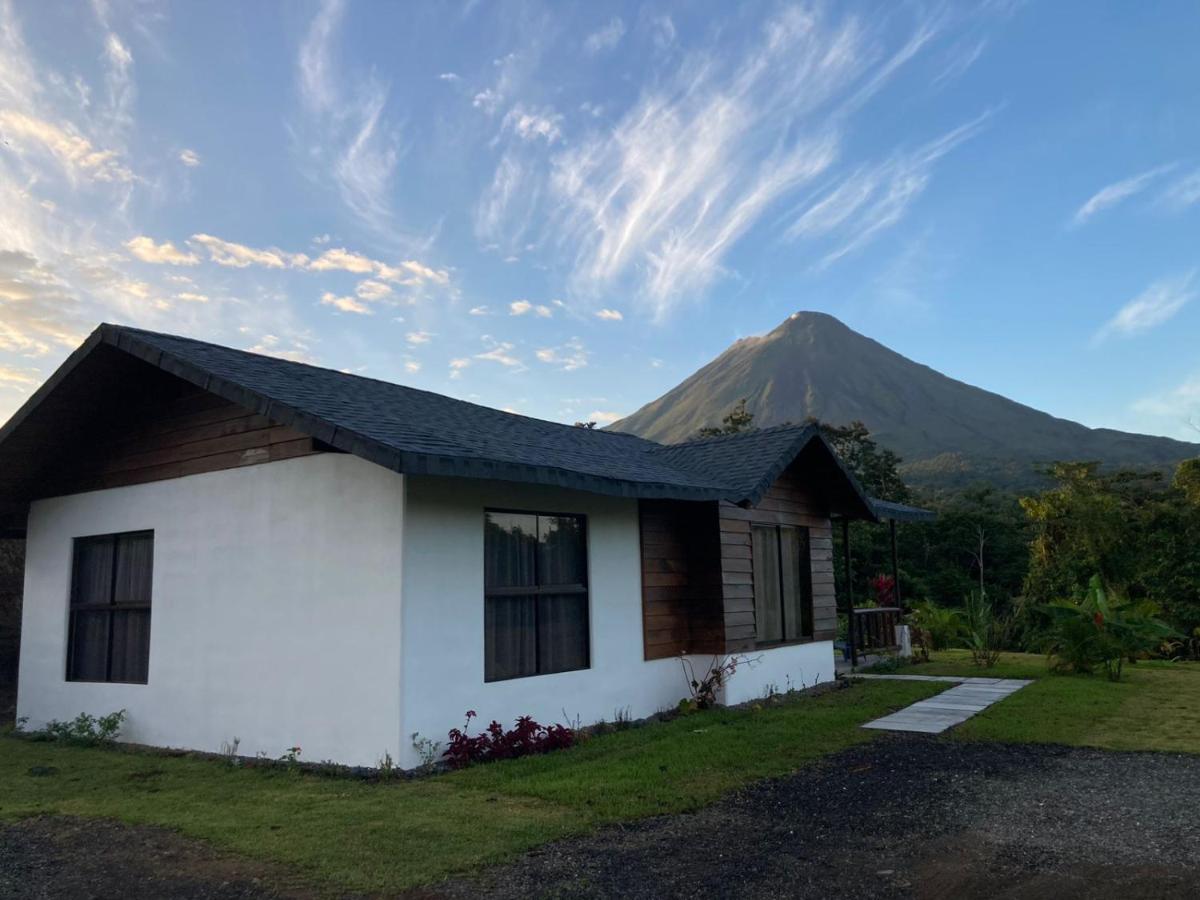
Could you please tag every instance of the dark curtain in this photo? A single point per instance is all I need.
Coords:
(561, 557)
(796, 566)
(768, 610)
(562, 632)
(130, 645)
(510, 550)
(91, 582)
(510, 639)
(89, 645)
(135, 569)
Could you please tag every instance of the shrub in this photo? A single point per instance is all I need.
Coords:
(84, 729)
(705, 690)
(525, 738)
(942, 627)
(986, 633)
(1102, 631)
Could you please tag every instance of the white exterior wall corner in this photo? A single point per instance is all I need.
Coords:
(443, 620)
(275, 617)
(779, 669)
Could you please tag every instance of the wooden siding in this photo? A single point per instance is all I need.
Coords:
(787, 502)
(681, 578)
(185, 433)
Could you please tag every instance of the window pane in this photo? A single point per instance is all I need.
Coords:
(767, 608)
(509, 638)
(561, 554)
(135, 568)
(91, 577)
(89, 645)
(797, 582)
(130, 645)
(562, 632)
(510, 548)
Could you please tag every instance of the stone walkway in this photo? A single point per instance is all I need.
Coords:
(949, 708)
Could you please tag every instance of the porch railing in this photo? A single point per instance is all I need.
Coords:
(875, 628)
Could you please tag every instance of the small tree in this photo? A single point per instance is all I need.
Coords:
(1187, 480)
(1102, 630)
(736, 422)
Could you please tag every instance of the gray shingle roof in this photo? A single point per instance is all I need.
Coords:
(421, 433)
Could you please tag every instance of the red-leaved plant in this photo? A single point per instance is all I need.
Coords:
(525, 738)
(884, 587)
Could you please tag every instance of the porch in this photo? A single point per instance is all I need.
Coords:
(872, 632)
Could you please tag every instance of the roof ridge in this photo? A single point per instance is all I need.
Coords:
(714, 438)
(111, 326)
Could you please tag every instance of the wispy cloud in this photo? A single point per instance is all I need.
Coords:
(166, 253)
(498, 352)
(409, 273)
(351, 133)
(609, 315)
(29, 135)
(524, 307)
(658, 199)
(532, 125)
(345, 304)
(600, 417)
(189, 158)
(570, 356)
(605, 38)
(1182, 193)
(1180, 405)
(1118, 192)
(416, 338)
(1152, 307)
(873, 198)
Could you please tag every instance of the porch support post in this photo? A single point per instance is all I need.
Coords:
(895, 568)
(851, 629)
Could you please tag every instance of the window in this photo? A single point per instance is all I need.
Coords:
(535, 594)
(783, 608)
(110, 608)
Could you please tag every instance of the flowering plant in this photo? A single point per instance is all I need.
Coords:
(524, 738)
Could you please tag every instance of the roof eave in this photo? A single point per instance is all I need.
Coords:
(379, 453)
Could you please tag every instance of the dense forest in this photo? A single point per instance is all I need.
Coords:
(1137, 532)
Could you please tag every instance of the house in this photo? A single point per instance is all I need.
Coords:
(233, 545)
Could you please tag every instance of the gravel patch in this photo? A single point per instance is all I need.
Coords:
(902, 817)
(59, 857)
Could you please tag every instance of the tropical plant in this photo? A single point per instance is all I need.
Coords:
(1102, 630)
(941, 625)
(524, 738)
(984, 631)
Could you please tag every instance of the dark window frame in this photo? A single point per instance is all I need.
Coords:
(806, 600)
(110, 609)
(538, 590)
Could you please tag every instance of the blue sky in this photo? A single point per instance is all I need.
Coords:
(564, 209)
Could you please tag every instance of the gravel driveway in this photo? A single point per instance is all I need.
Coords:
(904, 816)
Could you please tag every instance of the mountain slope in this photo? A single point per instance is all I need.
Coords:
(948, 433)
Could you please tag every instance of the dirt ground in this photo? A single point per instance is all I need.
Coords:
(902, 817)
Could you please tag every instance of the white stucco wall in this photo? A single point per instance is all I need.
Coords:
(276, 609)
(443, 614)
(780, 669)
(443, 650)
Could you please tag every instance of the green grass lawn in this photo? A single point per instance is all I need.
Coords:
(1156, 706)
(346, 834)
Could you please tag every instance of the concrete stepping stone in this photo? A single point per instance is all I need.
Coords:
(949, 708)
